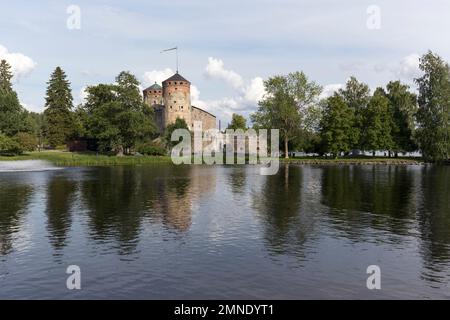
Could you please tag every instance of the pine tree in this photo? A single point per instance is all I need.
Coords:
(58, 113)
(12, 115)
(5, 76)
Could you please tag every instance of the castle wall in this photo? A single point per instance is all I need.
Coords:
(160, 115)
(207, 119)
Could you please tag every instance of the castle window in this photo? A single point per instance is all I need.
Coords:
(175, 82)
(176, 88)
(170, 107)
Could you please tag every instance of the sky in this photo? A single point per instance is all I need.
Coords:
(226, 48)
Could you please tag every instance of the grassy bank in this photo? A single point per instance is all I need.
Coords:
(355, 160)
(62, 158)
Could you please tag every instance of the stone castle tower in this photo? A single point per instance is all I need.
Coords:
(172, 101)
(177, 99)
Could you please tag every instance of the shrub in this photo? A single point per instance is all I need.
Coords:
(27, 142)
(9, 147)
(152, 149)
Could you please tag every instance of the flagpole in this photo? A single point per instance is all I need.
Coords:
(171, 49)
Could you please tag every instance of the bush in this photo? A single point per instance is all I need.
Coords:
(27, 142)
(9, 147)
(151, 149)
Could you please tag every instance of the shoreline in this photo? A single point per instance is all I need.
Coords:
(355, 161)
(74, 159)
(71, 159)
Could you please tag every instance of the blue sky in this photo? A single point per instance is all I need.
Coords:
(226, 47)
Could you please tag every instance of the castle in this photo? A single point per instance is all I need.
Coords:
(172, 101)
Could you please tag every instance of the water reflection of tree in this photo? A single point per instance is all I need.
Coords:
(360, 197)
(119, 199)
(278, 204)
(116, 199)
(237, 179)
(61, 191)
(434, 216)
(14, 198)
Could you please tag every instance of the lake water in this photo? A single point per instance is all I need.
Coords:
(189, 232)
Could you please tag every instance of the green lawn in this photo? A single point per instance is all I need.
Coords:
(63, 158)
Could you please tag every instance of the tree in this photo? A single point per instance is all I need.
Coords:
(403, 107)
(5, 76)
(285, 104)
(58, 112)
(27, 141)
(12, 114)
(433, 116)
(337, 127)
(115, 115)
(357, 96)
(237, 122)
(9, 146)
(378, 123)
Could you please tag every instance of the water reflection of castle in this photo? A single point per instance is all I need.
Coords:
(181, 194)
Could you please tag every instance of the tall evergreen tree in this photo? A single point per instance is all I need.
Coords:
(12, 114)
(58, 113)
(433, 117)
(5, 76)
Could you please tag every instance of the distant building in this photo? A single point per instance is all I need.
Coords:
(172, 101)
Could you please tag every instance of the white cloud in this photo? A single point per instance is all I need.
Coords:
(21, 64)
(215, 69)
(408, 67)
(330, 89)
(244, 101)
(255, 91)
(158, 76)
(195, 96)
